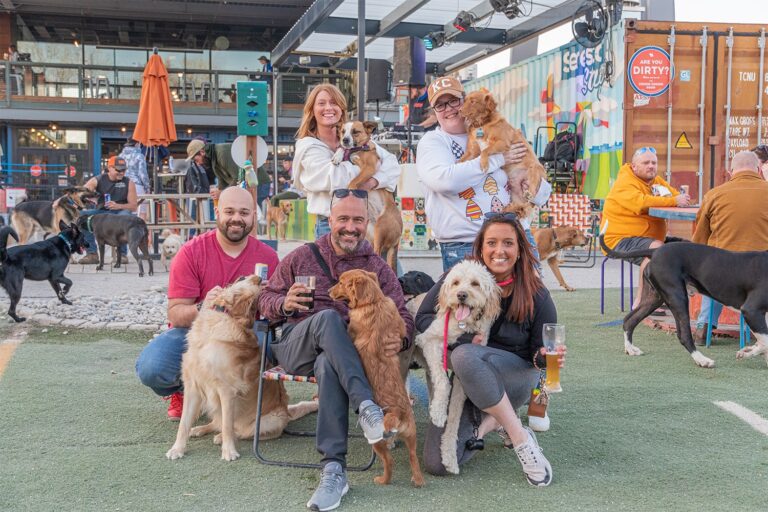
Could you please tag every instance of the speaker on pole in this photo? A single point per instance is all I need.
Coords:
(410, 61)
(379, 80)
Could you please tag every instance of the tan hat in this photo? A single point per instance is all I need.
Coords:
(194, 147)
(442, 86)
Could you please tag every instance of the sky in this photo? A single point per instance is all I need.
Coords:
(738, 11)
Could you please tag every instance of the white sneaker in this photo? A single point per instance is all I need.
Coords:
(539, 424)
(536, 467)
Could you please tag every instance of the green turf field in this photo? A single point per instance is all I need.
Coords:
(78, 432)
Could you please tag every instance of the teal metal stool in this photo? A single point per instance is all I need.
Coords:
(743, 328)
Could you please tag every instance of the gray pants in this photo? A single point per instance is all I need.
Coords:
(485, 374)
(320, 346)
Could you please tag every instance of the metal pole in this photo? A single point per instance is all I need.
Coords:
(729, 43)
(361, 60)
(669, 103)
(702, 94)
(275, 79)
(761, 44)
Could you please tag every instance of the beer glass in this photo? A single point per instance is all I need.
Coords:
(309, 282)
(553, 336)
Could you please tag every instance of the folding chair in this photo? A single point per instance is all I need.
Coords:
(277, 373)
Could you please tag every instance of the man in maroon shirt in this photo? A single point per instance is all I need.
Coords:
(202, 267)
(317, 343)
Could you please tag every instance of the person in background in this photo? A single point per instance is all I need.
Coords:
(121, 193)
(265, 183)
(762, 154)
(729, 219)
(266, 65)
(137, 172)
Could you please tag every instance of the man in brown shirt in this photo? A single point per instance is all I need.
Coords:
(732, 216)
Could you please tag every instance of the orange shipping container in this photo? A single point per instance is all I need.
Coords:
(715, 103)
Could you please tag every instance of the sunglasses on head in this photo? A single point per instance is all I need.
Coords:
(503, 215)
(341, 193)
(646, 148)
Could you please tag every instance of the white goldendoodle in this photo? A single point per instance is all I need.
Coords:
(470, 298)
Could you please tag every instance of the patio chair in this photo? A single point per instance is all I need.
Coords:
(277, 373)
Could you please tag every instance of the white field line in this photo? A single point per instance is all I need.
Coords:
(749, 417)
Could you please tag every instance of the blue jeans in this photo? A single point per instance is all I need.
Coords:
(321, 226)
(92, 249)
(708, 304)
(159, 364)
(454, 252)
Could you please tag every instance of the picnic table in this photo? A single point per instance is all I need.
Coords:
(674, 213)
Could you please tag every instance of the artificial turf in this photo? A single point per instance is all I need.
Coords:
(79, 432)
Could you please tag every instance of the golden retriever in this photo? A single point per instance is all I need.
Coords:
(490, 133)
(374, 319)
(220, 370)
(279, 216)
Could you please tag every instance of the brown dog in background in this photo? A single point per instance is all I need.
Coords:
(220, 370)
(550, 241)
(490, 133)
(374, 319)
(30, 216)
(279, 216)
(388, 226)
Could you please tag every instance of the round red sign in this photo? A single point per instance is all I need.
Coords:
(35, 170)
(71, 171)
(649, 71)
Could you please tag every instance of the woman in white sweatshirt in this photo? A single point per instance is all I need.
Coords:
(317, 138)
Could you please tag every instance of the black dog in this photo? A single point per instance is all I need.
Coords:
(41, 261)
(731, 278)
(415, 283)
(116, 230)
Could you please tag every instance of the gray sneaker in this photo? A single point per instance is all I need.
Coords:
(535, 465)
(371, 420)
(333, 486)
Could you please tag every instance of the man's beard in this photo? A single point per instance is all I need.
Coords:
(345, 246)
(234, 237)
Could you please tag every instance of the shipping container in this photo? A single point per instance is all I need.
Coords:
(567, 85)
(696, 93)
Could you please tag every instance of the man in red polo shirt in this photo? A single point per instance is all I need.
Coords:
(202, 267)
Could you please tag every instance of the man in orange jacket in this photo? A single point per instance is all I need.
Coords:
(626, 225)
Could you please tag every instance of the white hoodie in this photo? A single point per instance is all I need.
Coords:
(317, 176)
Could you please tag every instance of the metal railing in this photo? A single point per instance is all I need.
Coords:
(77, 85)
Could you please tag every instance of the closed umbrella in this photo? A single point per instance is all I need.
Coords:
(155, 126)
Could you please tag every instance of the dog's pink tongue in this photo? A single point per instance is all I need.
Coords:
(462, 312)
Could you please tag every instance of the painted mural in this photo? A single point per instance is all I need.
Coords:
(544, 94)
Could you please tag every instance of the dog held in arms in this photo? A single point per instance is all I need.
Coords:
(116, 230)
(41, 261)
(678, 265)
(469, 302)
(220, 371)
(356, 146)
(489, 133)
(30, 216)
(550, 241)
(374, 318)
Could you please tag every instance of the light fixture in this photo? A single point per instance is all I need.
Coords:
(463, 21)
(510, 8)
(53, 127)
(189, 131)
(32, 130)
(76, 43)
(434, 40)
(122, 129)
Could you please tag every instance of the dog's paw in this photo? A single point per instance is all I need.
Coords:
(452, 467)
(20, 319)
(338, 157)
(198, 431)
(381, 480)
(438, 414)
(100, 267)
(217, 439)
(418, 480)
(630, 349)
(702, 360)
(752, 351)
(116, 265)
(569, 288)
(151, 272)
(174, 453)
(141, 274)
(229, 454)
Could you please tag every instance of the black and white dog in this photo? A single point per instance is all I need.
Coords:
(116, 230)
(735, 279)
(42, 261)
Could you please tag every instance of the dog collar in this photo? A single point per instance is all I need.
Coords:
(554, 237)
(66, 241)
(88, 223)
(349, 152)
(72, 203)
(509, 281)
(479, 133)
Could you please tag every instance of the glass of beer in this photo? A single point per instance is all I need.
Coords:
(553, 336)
(309, 282)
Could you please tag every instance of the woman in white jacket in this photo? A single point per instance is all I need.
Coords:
(317, 138)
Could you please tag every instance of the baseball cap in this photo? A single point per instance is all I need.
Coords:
(442, 86)
(194, 147)
(117, 162)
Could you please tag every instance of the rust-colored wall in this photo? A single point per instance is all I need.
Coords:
(5, 32)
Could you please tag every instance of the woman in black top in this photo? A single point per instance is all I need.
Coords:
(499, 378)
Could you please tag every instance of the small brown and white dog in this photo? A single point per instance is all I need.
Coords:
(373, 320)
(356, 146)
(170, 247)
(550, 241)
(220, 370)
(490, 133)
(279, 216)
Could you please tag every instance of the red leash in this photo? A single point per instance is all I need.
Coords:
(448, 318)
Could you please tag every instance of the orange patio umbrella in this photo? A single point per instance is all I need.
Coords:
(155, 125)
